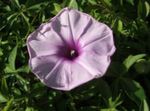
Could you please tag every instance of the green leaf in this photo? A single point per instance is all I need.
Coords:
(130, 2)
(26, 19)
(20, 78)
(130, 60)
(73, 4)
(16, 91)
(147, 6)
(134, 90)
(7, 8)
(140, 8)
(143, 9)
(12, 18)
(93, 2)
(121, 2)
(8, 69)
(25, 69)
(107, 2)
(120, 26)
(15, 3)
(114, 103)
(145, 106)
(142, 66)
(35, 7)
(116, 69)
(57, 7)
(1, 52)
(8, 105)
(140, 94)
(29, 109)
(108, 109)
(2, 98)
(4, 86)
(12, 57)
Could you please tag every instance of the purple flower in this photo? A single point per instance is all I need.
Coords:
(69, 50)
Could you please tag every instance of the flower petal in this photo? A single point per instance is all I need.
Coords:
(42, 65)
(51, 71)
(67, 75)
(62, 75)
(42, 48)
(79, 75)
(59, 76)
(94, 63)
(78, 22)
(95, 32)
(61, 25)
(43, 41)
(103, 46)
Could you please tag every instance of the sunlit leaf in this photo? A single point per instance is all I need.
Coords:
(143, 9)
(147, 6)
(2, 98)
(25, 69)
(120, 26)
(15, 3)
(57, 7)
(145, 106)
(29, 109)
(130, 60)
(8, 105)
(35, 7)
(1, 52)
(73, 4)
(93, 2)
(12, 18)
(107, 2)
(12, 57)
(9, 69)
(114, 103)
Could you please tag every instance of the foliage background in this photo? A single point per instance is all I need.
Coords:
(125, 87)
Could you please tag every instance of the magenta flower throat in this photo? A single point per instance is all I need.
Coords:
(69, 50)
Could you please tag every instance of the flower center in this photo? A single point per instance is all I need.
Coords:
(72, 54)
(69, 52)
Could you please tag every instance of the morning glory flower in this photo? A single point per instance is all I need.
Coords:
(69, 50)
